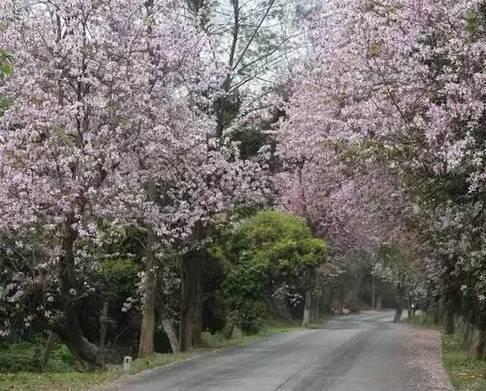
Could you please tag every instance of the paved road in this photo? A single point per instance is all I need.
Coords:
(364, 352)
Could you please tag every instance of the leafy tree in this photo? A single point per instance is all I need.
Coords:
(265, 251)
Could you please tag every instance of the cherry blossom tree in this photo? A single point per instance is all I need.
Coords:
(98, 108)
(403, 81)
(107, 126)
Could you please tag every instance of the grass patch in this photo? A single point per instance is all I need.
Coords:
(77, 381)
(465, 374)
(26, 356)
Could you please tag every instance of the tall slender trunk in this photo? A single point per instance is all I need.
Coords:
(198, 310)
(315, 314)
(400, 299)
(452, 303)
(103, 327)
(307, 308)
(467, 332)
(449, 320)
(409, 309)
(341, 299)
(147, 329)
(191, 294)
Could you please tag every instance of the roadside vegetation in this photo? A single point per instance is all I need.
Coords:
(465, 373)
(62, 375)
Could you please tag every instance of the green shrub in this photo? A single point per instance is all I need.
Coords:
(26, 356)
(17, 357)
(263, 253)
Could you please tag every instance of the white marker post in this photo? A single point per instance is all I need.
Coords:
(127, 363)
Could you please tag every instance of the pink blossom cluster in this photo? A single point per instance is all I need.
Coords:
(402, 80)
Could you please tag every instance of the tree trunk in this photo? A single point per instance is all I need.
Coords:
(399, 310)
(440, 317)
(103, 322)
(449, 321)
(146, 347)
(191, 316)
(307, 308)
(315, 313)
(198, 308)
(409, 309)
(452, 299)
(398, 314)
(47, 353)
(86, 353)
(478, 349)
(168, 327)
(467, 334)
(449, 325)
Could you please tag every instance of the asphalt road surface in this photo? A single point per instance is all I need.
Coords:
(364, 352)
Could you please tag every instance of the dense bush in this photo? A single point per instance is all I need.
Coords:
(262, 254)
(26, 356)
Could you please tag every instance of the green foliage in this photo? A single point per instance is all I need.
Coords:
(398, 261)
(6, 69)
(251, 140)
(120, 277)
(27, 356)
(464, 373)
(264, 251)
(476, 20)
(278, 241)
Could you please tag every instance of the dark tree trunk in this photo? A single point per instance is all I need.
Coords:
(449, 319)
(400, 300)
(190, 327)
(315, 315)
(449, 325)
(198, 310)
(147, 330)
(103, 327)
(452, 298)
(87, 353)
(467, 332)
(451, 308)
(479, 347)
(466, 336)
(341, 300)
(410, 310)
